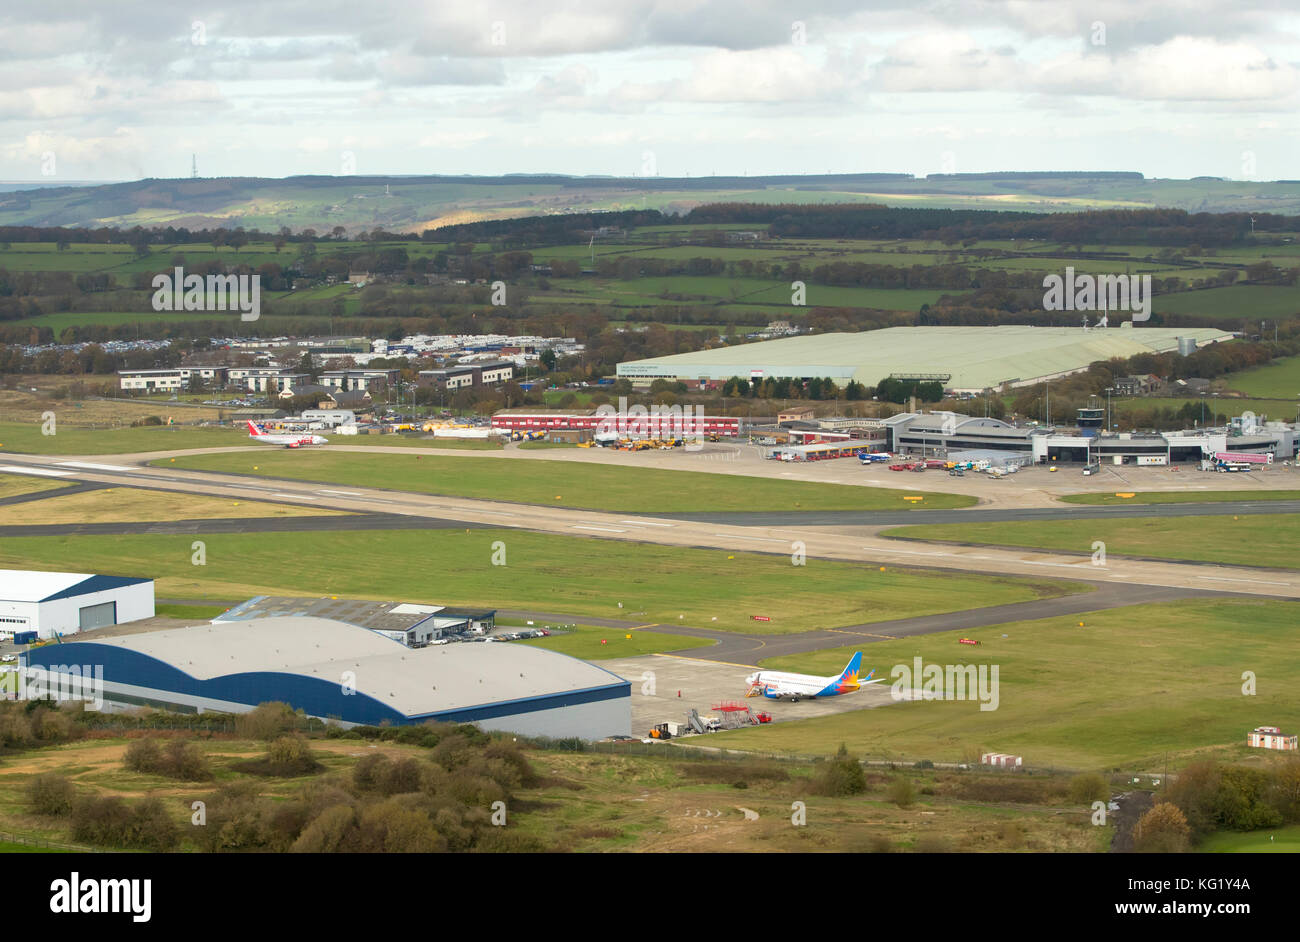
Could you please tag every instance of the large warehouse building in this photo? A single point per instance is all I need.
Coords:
(972, 358)
(63, 603)
(333, 670)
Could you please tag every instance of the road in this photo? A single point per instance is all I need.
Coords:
(822, 539)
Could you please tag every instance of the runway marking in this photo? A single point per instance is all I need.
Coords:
(90, 466)
(46, 472)
(646, 523)
(1257, 581)
(869, 634)
(756, 539)
(703, 660)
(343, 493)
(294, 496)
(605, 529)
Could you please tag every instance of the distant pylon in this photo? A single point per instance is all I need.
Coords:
(194, 166)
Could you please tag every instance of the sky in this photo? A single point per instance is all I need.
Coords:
(93, 90)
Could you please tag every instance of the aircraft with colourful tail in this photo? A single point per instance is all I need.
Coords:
(778, 685)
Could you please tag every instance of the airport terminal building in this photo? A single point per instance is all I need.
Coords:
(351, 675)
(940, 434)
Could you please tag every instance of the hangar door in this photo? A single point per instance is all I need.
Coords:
(97, 616)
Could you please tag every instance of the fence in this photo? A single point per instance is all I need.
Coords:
(43, 844)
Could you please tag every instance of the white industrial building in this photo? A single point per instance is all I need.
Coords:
(63, 603)
(351, 675)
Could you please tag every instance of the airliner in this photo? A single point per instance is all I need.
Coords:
(288, 441)
(776, 685)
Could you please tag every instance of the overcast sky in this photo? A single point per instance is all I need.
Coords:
(121, 90)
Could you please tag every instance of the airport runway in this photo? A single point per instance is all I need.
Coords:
(821, 540)
(892, 518)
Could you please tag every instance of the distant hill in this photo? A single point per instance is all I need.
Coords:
(415, 203)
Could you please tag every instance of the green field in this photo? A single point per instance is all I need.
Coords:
(542, 573)
(564, 483)
(1117, 693)
(1277, 380)
(1253, 540)
(196, 613)
(1274, 841)
(26, 438)
(1180, 497)
(12, 485)
(1244, 302)
(592, 643)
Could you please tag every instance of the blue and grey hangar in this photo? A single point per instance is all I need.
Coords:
(350, 675)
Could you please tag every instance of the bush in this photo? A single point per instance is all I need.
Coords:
(267, 721)
(111, 822)
(286, 757)
(1162, 830)
(902, 792)
(1087, 788)
(51, 795)
(179, 760)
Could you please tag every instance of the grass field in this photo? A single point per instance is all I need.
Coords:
(195, 613)
(1117, 693)
(12, 485)
(1255, 540)
(1180, 497)
(1239, 302)
(25, 438)
(543, 573)
(70, 439)
(120, 504)
(591, 486)
(1273, 841)
(593, 643)
(1277, 380)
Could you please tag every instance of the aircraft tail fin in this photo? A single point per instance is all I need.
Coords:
(254, 430)
(850, 673)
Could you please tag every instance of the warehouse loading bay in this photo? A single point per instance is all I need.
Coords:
(705, 684)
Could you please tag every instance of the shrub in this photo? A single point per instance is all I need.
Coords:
(1087, 788)
(111, 822)
(902, 792)
(840, 776)
(51, 795)
(267, 721)
(1162, 830)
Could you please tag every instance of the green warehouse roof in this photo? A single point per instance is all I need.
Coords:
(976, 357)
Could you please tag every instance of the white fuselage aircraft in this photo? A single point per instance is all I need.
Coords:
(777, 685)
(288, 441)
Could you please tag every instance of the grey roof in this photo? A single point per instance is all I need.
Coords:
(378, 616)
(976, 357)
(414, 681)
